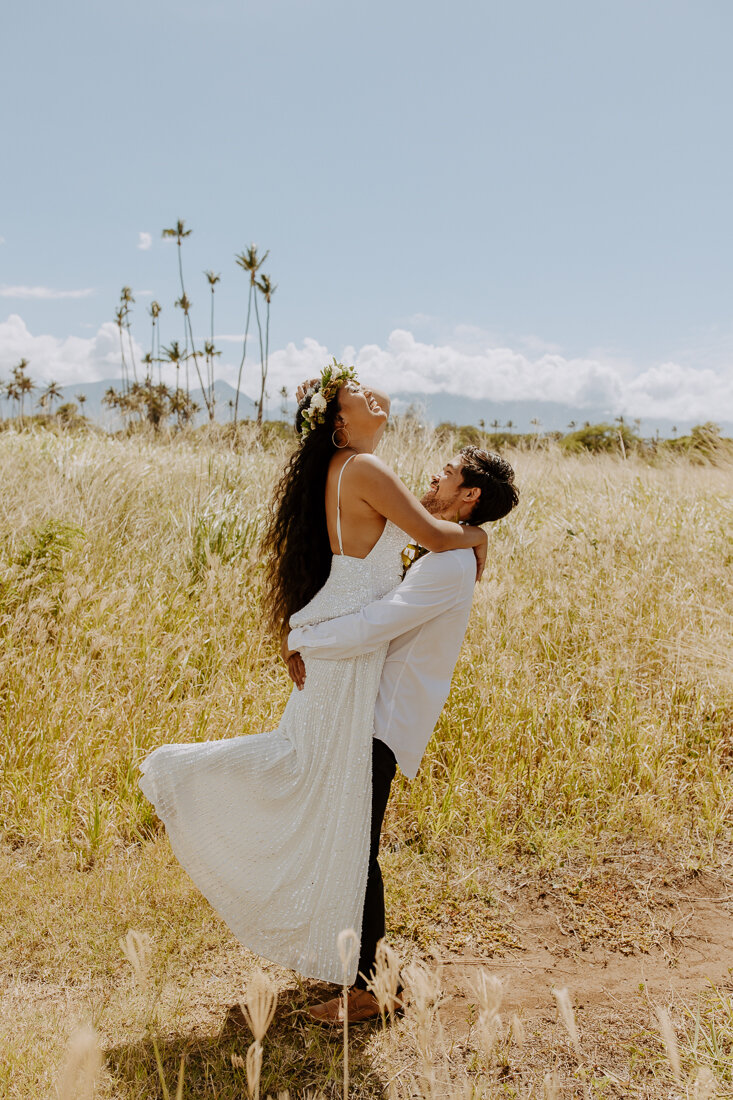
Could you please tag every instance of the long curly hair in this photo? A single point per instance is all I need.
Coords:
(296, 544)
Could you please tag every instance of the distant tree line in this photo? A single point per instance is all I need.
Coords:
(620, 437)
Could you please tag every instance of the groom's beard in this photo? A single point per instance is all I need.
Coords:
(446, 508)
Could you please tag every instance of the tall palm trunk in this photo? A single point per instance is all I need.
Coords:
(179, 232)
(244, 352)
(262, 363)
(128, 326)
(187, 323)
(125, 385)
(212, 399)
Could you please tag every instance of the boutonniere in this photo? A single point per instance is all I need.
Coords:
(412, 553)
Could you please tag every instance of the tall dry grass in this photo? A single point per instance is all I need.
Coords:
(593, 699)
(592, 705)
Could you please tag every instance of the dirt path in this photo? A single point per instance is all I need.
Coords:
(609, 935)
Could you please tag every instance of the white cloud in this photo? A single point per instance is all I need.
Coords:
(73, 359)
(144, 241)
(42, 292)
(406, 365)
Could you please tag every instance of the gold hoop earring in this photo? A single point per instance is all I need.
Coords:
(340, 446)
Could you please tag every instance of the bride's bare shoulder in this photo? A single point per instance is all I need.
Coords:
(370, 467)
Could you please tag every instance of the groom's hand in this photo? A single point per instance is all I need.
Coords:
(304, 387)
(294, 662)
(296, 670)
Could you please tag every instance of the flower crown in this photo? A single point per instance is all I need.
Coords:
(333, 378)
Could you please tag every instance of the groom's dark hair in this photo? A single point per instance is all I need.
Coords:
(493, 475)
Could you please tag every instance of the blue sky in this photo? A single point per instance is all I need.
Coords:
(525, 196)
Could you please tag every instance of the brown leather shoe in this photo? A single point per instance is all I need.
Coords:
(363, 1006)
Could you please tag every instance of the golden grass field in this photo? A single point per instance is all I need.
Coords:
(572, 818)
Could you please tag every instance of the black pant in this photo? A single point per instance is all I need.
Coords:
(384, 766)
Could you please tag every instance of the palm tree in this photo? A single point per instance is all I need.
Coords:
(183, 407)
(536, 423)
(184, 304)
(210, 352)
(174, 355)
(267, 288)
(571, 425)
(127, 300)
(155, 350)
(22, 383)
(250, 263)
(148, 361)
(180, 233)
(120, 322)
(283, 391)
(112, 398)
(213, 280)
(495, 424)
(13, 393)
(81, 398)
(26, 386)
(509, 425)
(52, 393)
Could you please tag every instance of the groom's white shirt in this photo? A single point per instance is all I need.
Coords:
(424, 620)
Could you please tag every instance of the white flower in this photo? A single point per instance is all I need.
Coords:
(318, 402)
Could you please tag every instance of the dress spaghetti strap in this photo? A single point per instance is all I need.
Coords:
(338, 503)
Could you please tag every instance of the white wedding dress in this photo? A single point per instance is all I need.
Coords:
(274, 827)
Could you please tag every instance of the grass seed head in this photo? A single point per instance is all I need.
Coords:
(259, 1004)
(386, 976)
(704, 1087)
(567, 1016)
(669, 1039)
(424, 986)
(82, 1067)
(551, 1086)
(254, 1069)
(348, 945)
(518, 1032)
(137, 949)
(488, 992)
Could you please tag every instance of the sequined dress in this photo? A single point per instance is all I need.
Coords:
(274, 827)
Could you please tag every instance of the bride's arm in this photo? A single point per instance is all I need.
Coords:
(380, 487)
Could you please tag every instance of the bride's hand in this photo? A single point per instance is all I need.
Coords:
(303, 388)
(481, 552)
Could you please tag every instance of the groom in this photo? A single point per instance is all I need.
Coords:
(424, 620)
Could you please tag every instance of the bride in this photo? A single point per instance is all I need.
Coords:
(274, 827)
